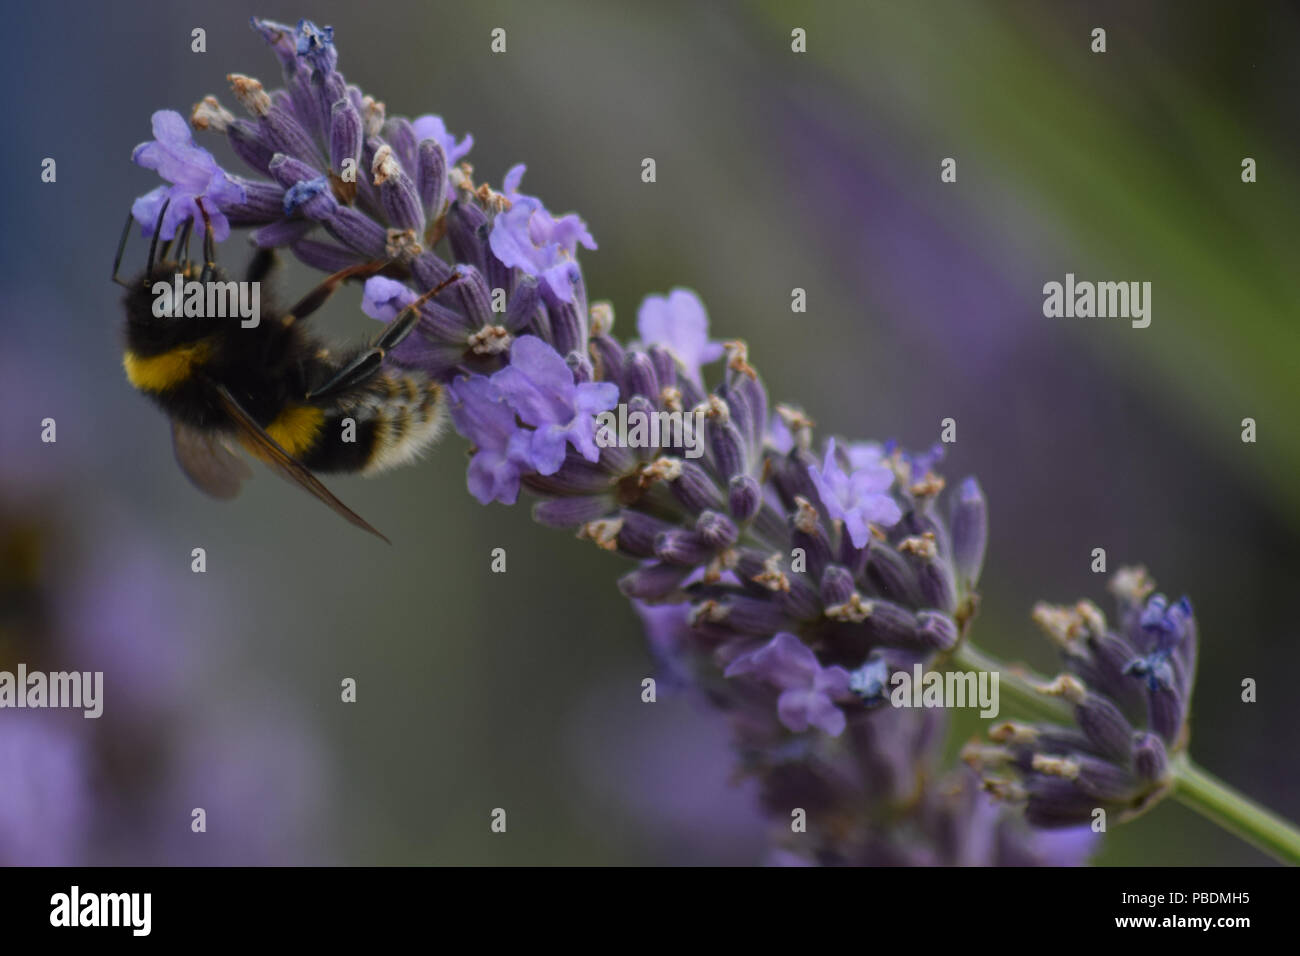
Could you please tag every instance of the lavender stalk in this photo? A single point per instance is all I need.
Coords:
(791, 582)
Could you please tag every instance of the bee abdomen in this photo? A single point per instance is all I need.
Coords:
(407, 422)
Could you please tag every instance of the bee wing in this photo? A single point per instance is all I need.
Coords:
(206, 460)
(284, 463)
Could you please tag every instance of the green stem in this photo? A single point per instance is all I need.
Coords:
(1193, 787)
(1213, 799)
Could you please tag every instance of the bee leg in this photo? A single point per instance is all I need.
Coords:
(318, 296)
(264, 261)
(360, 370)
(153, 244)
(183, 246)
(368, 363)
(209, 245)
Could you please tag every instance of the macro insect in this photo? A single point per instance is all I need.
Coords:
(272, 388)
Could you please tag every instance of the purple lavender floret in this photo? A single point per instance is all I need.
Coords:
(856, 495)
(193, 174)
(540, 388)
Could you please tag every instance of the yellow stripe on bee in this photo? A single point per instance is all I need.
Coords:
(297, 428)
(158, 373)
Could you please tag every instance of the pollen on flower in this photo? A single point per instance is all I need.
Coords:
(1064, 686)
(708, 612)
(461, 177)
(492, 200)
(372, 115)
(1063, 625)
(602, 318)
(927, 487)
(805, 516)
(402, 244)
(714, 409)
(208, 113)
(922, 546)
(772, 577)
(663, 468)
(853, 611)
(1011, 732)
(1056, 766)
(603, 533)
(671, 398)
(1132, 584)
(250, 94)
(490, 340)
(980, 756)
(718, 564)
(385, 165)
(738, 358)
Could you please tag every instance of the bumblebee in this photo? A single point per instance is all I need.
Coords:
(272, 388)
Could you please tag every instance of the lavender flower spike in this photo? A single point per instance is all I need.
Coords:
(784, 589)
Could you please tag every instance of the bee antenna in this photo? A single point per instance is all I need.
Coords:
(184, 241)
(157, 228)
(121, 248)
(209, 248)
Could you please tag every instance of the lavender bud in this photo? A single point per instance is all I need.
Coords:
(665, 366)
(325, 256)
(758, 616)
(937, 631)
(580, 366)
(522, 306)
(359, 231)
(970, 530)
(289, 171)
(397, 192)
(263, 203)
(745, 496)
(249, 145)
(695, 490)
(727, 447)
(345, 136)
(475, 298)
(1105, 727)
(639, 376)
(466, 228)
(282, 233)
(1150, 759)
(431, 177)
(638, 533)
(399, 132)
(682, 547)
(571, 512)
(285, 133)
(891, 576)
(653, 582)
(837, 585)
(607, 355)
(717, 531)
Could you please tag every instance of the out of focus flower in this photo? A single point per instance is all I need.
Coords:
(1129, 690)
